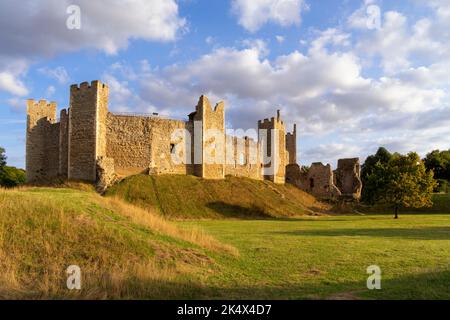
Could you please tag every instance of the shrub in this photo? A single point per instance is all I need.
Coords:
(11, 177)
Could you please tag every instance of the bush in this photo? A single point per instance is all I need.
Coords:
(11, 177)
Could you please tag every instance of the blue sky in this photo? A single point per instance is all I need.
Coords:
(350, 83)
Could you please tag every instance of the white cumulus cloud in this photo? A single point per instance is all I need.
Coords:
(253, 14)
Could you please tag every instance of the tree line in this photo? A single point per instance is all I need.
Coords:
(404, 181)
(9, 176)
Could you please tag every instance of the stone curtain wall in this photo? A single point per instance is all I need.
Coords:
(87, 132)
(242, 155)
(139, 144)
(170, 139)
(91, 144)
(128, 143)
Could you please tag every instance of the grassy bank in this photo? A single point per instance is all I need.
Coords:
(123, 251)
(194, 198)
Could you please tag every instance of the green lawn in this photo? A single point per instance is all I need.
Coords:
(327, 257)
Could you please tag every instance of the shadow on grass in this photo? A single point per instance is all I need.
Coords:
(427, 286)
(423, 233)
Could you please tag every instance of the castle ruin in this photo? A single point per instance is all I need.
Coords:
(89, 143)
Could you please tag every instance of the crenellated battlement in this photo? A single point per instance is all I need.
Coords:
(33, 105)
(88, 86)
(273, 123)
(40, 110)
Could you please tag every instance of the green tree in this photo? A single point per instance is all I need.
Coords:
(408, 183)
(9, 176)
(373, 182)
(2, 157)
(439, 162)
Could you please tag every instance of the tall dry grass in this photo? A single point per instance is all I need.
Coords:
(123, 251)
(155, 222)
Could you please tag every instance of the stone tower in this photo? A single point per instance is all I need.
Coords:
(63, 143)
(87, 129)
(291, 146)
(272, 135)
(209, 139)
(42, 146)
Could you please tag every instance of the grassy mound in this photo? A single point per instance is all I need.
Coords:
(123, 251)
(192, 198)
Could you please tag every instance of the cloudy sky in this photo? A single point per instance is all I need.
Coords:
(353, 74)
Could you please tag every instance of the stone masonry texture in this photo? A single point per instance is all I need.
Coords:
(89, 143)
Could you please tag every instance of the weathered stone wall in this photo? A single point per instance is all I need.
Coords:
(42, 145)
(88, 109)
(319, 181)
(139, 143)
(170, 146)
(242, 156)
(102, 118)
(272, 135)
(106, 175)
(348, 178)
(295, 176)
(128, 143)
(212, 139)
(63, 143)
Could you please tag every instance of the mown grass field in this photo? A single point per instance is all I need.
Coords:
(129, 252)
(327, 257)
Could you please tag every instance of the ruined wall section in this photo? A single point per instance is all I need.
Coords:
(319, 181)
(210, 146)
(272, 135)
(348, 178)
(291, 146)
(242, 156)
(42, 141)
(87, 129)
